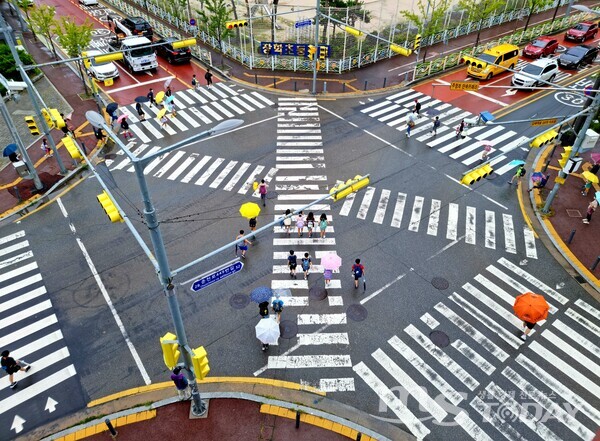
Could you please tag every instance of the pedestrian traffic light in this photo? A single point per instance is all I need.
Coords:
(200, 363)
(236, 24)
(32, 126)
(109, 207)
(544, 139)
(48, 118)
(58, 120)
(472, 176)
(312, 50)
(564, 156)
(323, 53)
(170, 349)
(69, 144)
(350, 186)
(417, 43)
(400, 50)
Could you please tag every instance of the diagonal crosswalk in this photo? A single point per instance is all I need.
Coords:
(494, 385)
(29, 329)
(416, 214)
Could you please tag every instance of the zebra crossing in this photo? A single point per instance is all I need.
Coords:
(456, 217)
(300, 151)
(195, 109)
(488, 383)
(29, 329)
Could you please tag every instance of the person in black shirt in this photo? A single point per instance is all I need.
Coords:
(10, 365)
(292, 263)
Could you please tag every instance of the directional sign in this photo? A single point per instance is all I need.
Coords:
(544, 122)
(302, 23)
(217, 275)
(464, 85)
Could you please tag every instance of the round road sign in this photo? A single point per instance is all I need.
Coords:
(192, 22)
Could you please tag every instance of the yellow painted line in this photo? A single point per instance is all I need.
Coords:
(522, 206)
(101, 427)
(168, 384)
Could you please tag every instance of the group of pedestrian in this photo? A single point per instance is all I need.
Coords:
(301, 222)
(207, 76)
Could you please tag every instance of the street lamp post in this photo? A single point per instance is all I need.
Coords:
(165, 274)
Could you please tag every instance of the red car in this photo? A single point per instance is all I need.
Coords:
(582, 31)
(541, 47)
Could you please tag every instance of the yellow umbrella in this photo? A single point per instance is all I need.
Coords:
(249, 210)
(161, 113)
(590, 177)
(159, 97)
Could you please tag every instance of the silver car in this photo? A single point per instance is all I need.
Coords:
(534, 74)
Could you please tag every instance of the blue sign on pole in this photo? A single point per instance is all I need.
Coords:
(302, 23)
(216, 276)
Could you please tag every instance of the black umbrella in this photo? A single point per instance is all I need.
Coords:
(432, 112)
(111, 108)
(142, 99)
(9, 149)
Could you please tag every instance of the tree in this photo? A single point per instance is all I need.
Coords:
(215, 14)
(352, 10)
(25, 5)
(534, 6)
(8, 66)
(430, 19)
(75, 38)
(479, 11)
(41, 19)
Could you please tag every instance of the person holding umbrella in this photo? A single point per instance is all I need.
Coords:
(539, 180)
(125, 126)
(531, 308)
(140, 110)
(267, 332)
(11, 152)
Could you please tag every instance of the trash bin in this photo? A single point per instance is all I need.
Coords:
(21, 169)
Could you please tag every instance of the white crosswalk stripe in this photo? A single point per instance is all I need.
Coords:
(449, 220)
(483, 330)
(30, 330)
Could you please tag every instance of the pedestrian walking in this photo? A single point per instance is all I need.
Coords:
(327, 274)
(262, 190)
(14, 157)
(310, 223)
(277, 306)
(12, 366)
(306, 265)
(292, 263)
(287, 222)
(126, 132)
(300, 224)
(436, 125)
(208, 77)
(171, 109)
(168, 91)
(590, 210)
(163, 121)
(263, 309)
(252, 225)
(527, 327)
(46, 148)
(460, 129)
(194, 82)
(530, 308)
(358, 270)
(140, 111)
(150, 96)
(242, 244)
(67, 129)
(113, 119)
(586, 187)
(518, 174)
(417, 108)
(410, 122)
(99, 134)
(540, 184)
(323, 223)
(181, 383)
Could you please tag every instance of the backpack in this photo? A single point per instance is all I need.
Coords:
(263, 309)
(357, 270)
(306, 264)
(262, 189)
(194, 82)
(522, 171)
(277, 305)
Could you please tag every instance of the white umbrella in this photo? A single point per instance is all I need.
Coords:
(267, 331)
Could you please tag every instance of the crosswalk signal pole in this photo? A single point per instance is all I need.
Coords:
(315, 59)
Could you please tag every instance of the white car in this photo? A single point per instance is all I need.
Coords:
(100, 71)
(88, 2)
(533, 74)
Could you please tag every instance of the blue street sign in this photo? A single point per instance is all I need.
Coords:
(302, 23)
(216, 276)
(192, 22)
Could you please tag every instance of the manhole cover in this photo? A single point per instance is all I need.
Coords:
(288, 329)
(574, 213)
(272, 195)
(440, 283)
(317, 293)
(356, 313)
(439, 338)
(239, 301)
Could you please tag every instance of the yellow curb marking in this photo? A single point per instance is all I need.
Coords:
(101, 427)
(168, 384)
(522, 206)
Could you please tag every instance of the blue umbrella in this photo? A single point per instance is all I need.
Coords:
(597, 196)
(261, 294)
(9, 149)
(169, 99)
(516, 162)
(111, 108)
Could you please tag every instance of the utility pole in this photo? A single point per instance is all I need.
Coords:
(316, 56)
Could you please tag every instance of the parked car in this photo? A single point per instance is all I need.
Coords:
(544, 69)
(166, 50)
(501, 57)
(577, 56)
(582, 31)
(100, 71)
(541, 47)
(88, 2)
(134, 26)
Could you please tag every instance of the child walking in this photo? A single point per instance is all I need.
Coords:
(242, 244)
(300, 224)
(323, 225)
(306, 265)
(292, 263)
(310, 223)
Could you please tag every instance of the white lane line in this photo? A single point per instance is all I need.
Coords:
(398, 210)
(434, 217)
(25, 313)
(473, 356)
(582, 359)
(415, 218)
(347, 206)
(228, 168)
(25, 331)
(165, 168)
(237, 176)
(329, 338)
(452, 230)
(413, 424)
(209, 171)
(322, 319)
(469, 426)
(534, 281)
(429, 320)
(336, 384)
(308, 361)
(253, 176)
(582, 321)
(509, 234)
(470, 219)
(23, 298)
(588, 308)
(498, 423)
(574, 335)
(380, 290)
(490, 229)
(382, 206)
(18, 271)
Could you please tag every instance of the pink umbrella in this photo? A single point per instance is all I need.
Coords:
(596, 157)
(487, 145)
(121, 118)
(331, 261)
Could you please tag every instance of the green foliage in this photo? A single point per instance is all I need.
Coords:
(430, 17)
(42, 21)
(73, 37)
(8, 67)
(214, 15)
(534, 6)
(480, 10)
(356, 11)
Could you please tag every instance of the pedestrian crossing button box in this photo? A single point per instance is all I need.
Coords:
(21, 169)
(590, 140)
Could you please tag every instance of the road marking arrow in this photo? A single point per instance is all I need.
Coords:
(510, 92)
(17, 424)
(50, 405)
(523, 262)
(361, 103)
(560, 285)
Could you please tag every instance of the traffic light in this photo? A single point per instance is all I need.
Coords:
(352, 31)
(71, 147)
(475, 175)
(312, 50)
(236, 24)
(170, 348)
(417, 43)
(110, 208)
(184, 43)
(200, 363)
(323, 52)
(352, 185)
(32, 126)
(48, 118)
(59, 122)
(544, 139)
(564, 156)
(400, 50)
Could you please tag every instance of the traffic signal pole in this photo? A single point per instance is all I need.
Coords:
(316, 56)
